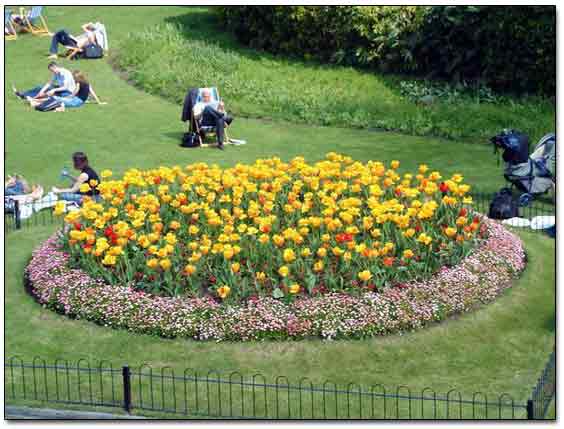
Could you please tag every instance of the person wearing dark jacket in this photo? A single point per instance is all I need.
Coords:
(211, 113)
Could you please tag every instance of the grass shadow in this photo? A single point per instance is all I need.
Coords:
(203, 25)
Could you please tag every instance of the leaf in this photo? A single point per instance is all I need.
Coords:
(277, 293)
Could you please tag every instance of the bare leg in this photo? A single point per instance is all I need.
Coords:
(34, 102)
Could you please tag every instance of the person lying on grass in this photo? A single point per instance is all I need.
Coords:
(17, 188)
(80, 95)
(213, 114)
(84, 185)
(62, 84)
(62, 37)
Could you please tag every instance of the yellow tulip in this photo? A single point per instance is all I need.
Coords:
(289, 255)
(153, 263)
(223, 291)
(408, 254)
(165, 264)
(294, 288)
(283, 271)
(105, 174)
(109, 260)
(318, 266)
(59, 208)
(365, 275)
(189, 269)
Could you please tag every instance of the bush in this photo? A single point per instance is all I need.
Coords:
(347, 35)
(509, 48)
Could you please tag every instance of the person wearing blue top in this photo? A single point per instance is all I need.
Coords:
(62, 84)
(83, 90)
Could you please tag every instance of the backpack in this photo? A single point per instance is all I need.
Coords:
(92, 51)
(190, 140)
(48, 105)
(503, 206)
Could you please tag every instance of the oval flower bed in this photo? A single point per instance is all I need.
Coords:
(478, 278)
(274, 250)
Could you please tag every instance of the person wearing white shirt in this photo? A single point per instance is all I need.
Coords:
(213, 114)
(62, 84)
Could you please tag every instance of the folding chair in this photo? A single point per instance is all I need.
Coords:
(71, 52)
(9, 25)
(34, 21)
(196, 120)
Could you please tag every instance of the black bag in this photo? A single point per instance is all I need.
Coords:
(503, 206)
(48, 105)
(92, 51)
(190, 140)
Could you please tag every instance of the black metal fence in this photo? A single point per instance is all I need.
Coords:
(13, 220)
(212, 394)
(544, 391)
(28, 215)
(540, 206)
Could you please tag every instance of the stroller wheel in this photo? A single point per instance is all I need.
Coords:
(525, 199)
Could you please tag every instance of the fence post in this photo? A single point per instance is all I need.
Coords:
(126, 375)
(17, 214)
(530, 410)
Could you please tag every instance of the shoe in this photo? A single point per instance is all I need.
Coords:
(52, 57)
(220, 147)
(16, 92)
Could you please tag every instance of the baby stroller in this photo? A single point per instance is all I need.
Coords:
(531, 174)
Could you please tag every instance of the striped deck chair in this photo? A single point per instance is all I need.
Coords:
(206, 130)
(9, 30)
(35, 22)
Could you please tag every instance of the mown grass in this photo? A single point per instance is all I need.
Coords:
(192, 50)
(501, 347)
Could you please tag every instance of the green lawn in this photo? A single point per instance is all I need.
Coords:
(500, 348)
(191, 49)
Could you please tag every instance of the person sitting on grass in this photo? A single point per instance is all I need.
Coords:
(62, 84)
(62, 37)
(77, 192)
(213, 115)
(77, 99)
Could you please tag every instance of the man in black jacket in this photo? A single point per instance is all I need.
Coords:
(212, 113)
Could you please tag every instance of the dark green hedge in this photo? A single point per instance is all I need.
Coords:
(510, 48)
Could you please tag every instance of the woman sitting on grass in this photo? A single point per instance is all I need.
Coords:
(83, 185)
(76, 99)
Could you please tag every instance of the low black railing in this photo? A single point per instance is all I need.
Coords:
(194, 394)
(544, 391)
(28, 215)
